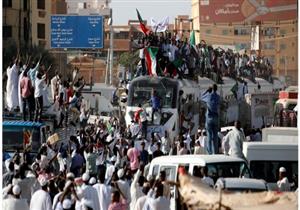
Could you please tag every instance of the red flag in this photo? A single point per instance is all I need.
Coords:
(26, 137)
(142, 25)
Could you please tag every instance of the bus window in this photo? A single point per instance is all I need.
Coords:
(268, 170)
(13, 138)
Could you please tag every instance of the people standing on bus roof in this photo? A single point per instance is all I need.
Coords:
(155, 102)
(26, 89)
(38, 95)
(55, 85)
(12, 71)
(212, 100)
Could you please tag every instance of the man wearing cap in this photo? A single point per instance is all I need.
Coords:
(15, 203)
(123, 185)
(41, 199)
(90, 193)
(283, 183)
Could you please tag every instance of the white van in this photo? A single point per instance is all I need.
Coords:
(218, 166)
(265, 159)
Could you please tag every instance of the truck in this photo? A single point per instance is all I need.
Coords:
(280, 135)
(257, 110)
(285, 112)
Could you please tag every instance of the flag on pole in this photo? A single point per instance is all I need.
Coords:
(142, 25)
(26, 137)
(192, 38)
(150, 55)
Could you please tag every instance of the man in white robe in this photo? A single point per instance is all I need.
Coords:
(90, 193)
(104, 192)
(55, 85)
(136, 188)
(41, 199)
(14, 202)
(12, 85)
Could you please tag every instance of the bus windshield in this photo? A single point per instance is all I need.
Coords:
(140, 92)
(13, 138)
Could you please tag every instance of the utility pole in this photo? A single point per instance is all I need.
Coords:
(110, 22)
(111, 55)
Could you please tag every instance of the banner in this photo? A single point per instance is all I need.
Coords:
(160, 26)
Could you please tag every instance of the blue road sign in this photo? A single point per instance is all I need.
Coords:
(76, 31)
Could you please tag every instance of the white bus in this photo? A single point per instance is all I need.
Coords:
(172, 103)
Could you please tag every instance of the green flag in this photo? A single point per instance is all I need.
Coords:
(192, 38)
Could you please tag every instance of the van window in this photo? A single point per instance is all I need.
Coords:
(228, 169)
(170, 172)
(268, 170)
(155, 170)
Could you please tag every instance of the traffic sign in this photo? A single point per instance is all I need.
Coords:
(76, 31)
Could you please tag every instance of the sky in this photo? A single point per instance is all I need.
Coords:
(124, 10)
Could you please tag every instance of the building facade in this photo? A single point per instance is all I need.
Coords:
(26, 22)
(230, 23)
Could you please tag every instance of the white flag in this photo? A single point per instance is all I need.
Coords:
(160, 26)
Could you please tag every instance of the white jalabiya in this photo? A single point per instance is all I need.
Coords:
(90, 194)
(14, 204)
(104, 195)
(12, 87)
(54, 86)
(40, 200)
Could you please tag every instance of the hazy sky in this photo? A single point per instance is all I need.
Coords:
(124, 10)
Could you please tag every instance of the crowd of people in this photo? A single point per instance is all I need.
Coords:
(27, 91)
(177, 57)
(105, 166)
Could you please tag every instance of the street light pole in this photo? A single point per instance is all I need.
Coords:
(111, 48)
(111, 54)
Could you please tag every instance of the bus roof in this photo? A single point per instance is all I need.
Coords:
(22, 123)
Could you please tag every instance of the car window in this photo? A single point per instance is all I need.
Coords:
(170, 172)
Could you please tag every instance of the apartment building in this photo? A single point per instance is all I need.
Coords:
(26, 22)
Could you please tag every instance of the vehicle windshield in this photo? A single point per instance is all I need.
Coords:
(13, 138)
(140, 92)
(227, 169)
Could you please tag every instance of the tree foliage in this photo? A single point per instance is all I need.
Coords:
(11, 51)
(129, 59)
